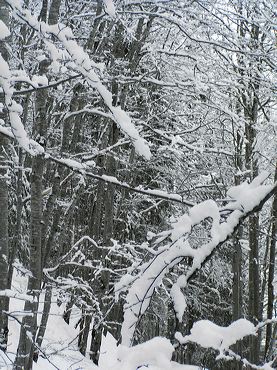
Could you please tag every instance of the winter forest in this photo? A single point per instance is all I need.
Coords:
(138, 184)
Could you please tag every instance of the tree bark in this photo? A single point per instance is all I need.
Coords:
(4, 212)
(4, 245)
(271, 268)
(44, 319)
(54, 12)
(25, 351)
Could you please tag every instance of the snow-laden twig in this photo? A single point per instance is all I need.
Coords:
(209, 335)
(83, 169)
(12, 294)
(15, 110)
(244, 200)
(84, 65)
(30, 337)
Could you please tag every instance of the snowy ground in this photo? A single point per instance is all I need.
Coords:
(60, 344)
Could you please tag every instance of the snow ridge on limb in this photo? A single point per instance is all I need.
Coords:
(155, 353)
(83, 169)
(224, 224)
(110, 8)
(15, 110)
(84, 65)
(209, 335)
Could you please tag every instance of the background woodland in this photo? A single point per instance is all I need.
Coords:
(107, 137)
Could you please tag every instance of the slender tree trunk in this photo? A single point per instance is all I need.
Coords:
(237, 256)
(271, 268)
(54, 11)
(254, 286)
(271, 353)
(25, 351)
(4, 212)
(43, 13)
(237, 289)
(84, 332)
(17, 238)
(92, 43)
(4, 244)
(44, 319)
(24, 358)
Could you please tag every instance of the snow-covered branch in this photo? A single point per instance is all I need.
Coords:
(209, 335)
(15, 110)
(84, 168)
(84, 65)
(244, 199)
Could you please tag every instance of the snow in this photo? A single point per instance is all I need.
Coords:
(247, 195)
(83, 64)
(4, 31)
(181, 227)
(15, 110)
(157, 352)
(209, 335)
(204, 210)
(60, 342)
(179, 300)
(109, 8)
(108, 351)
(110, 179)
(40, 80)
(154, 354)
(61, 347)
(72, 163)
(5, 130)
(12, 294)
(152, 273)
(163, 194)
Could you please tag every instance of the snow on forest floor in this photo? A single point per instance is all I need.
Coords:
(60, 344)
(58, 336)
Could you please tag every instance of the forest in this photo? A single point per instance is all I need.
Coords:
(138, 184)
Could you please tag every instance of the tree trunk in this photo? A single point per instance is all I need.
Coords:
(54, 11)
(237, 289)
(271, 268)
(24, 358)
(4, 245)
(25, 351)
(4, 212)
(44, 319)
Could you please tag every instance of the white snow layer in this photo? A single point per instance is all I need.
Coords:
(82, 63)
(4, 31)
(60, 342)
(15, 109)
(245, 198)
(109, 8)
(154, 354)
(209, 335)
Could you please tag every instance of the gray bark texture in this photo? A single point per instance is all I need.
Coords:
(270, 287)
(54, 11)
(25, 352)
(4, 244)
(4, 213)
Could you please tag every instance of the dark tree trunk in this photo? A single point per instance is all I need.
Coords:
(271, 269)
(4, 212)
(25, 351)
(44, 319)
(54, 11)
(4, 245)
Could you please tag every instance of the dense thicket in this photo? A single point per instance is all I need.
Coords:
(84, 206)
